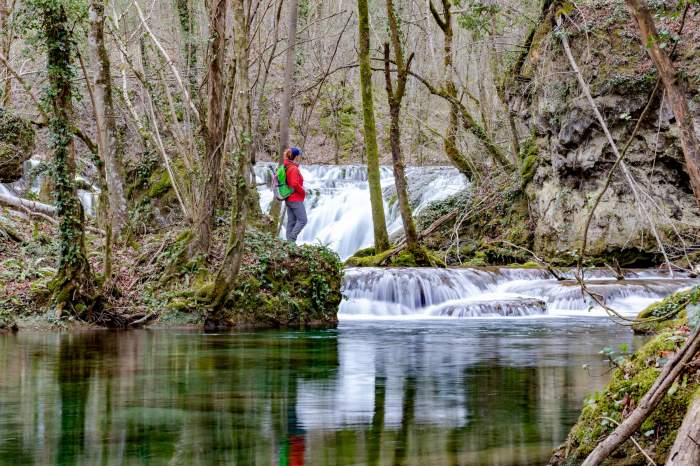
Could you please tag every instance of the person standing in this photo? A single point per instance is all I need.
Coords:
(296, 212)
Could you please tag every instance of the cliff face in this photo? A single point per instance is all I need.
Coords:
(572, 154)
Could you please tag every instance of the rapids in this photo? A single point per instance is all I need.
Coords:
(495, 292)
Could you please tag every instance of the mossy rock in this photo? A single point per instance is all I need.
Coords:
(16, 145)
(423, 258)
(494, 226)
(281, 284)
(629, 382)
(671, 311)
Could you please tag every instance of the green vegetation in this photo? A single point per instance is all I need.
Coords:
(632, 377)
(279, 285)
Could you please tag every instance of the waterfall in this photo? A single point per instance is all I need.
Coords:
(495, 292)
(338, 204)
(32, 185)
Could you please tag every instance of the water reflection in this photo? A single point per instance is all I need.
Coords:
(402, 393)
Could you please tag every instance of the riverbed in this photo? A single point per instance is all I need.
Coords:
(459, 391)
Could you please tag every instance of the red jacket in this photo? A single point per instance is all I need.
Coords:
(294, 181)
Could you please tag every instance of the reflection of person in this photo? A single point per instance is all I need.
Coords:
(296, 212)
(294, 446)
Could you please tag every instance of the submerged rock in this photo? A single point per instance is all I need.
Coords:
(515, 307)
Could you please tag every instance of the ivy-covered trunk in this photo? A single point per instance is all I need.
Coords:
(73, 287)
(450, 142)
(381, 236)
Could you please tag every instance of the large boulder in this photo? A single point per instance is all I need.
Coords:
(573, 155)
(16, 145)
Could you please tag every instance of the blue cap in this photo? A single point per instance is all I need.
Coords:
(296, 151)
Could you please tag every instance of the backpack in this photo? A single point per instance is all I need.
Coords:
(280, 188)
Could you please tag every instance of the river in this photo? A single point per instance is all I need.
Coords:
(460, 391)
(462, 366)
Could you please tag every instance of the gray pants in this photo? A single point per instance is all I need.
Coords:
(296, 219)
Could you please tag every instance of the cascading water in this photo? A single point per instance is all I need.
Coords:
(492, 292)
(32, 185)
(340, 217)
(338, 204)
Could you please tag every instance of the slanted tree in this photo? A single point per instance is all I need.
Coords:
(450, 89)
(381, 236)
(674, 90)
(7, 8)
(108, 140)
(395, 93)
(73, 287)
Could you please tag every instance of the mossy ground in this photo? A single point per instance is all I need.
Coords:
(280, 284)
(631, 379)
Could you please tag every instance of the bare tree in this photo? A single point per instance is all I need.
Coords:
(108, 141)
(395, 94)
(674, 91)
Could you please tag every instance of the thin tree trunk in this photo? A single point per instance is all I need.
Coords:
(381, 236)
(108, 140)
(286, 105)
(686, 448)
(226, 277)
(214, 132)
(674, 90)
(395, 97)
(288, 87)
(450, 141)
(6, 28)
(73, 285)
(185, 15)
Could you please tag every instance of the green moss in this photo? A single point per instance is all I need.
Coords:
(529, 160)
(280, 284)
(671, 309)
(630, 381)
(160, 184)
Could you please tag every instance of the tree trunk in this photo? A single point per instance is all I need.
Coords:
(6, 22)
(108, 140)
(450, 142)
(73, 285)
(184, 13)
(395, 97)
(288, 87)
(286, 105)
(381, 236)
(674, 91)
(686, 448)
(214, 133)
(226, 277)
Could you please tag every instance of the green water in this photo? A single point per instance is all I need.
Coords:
(501, 392)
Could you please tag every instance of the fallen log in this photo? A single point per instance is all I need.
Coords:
(423, 234)
(38, 210)
(22, 204)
